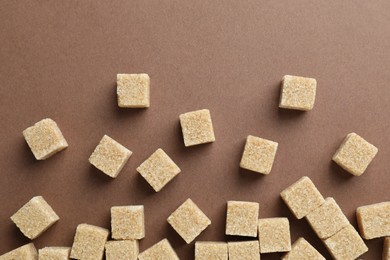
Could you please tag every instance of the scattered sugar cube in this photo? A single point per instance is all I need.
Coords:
(211, 250)
(302, 197)
(54, 253)
(386, 249)
(89, 242)
(242, 218)
(109, 156)
(197, 127)
(259, 154)
(161, 250)
(374, 220)
(298, 93)
(327, 219)
(45, 139)
(274, 235)
(133, 90)
(302, 250)
(355, 154)
(244, 250)
(188, 221)
(122, 250)
(128, 222)
(158, 170)
(35, 217)
(346, 244)
(26, 252)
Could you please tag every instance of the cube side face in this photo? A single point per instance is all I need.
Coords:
(303, 250)
(259, 155)
(242, 218)
(26, 252)
(244, 250)
(197, 127)
(128, 222)
(133, 90)
(161, 250)
(58, 253)
(374, 220)
(211, 250)
(298, 93)
(122, 250)
(274, 235)
(386, 249)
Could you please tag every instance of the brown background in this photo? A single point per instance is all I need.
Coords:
(59, 59)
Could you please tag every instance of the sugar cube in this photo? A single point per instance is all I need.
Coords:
(242, 218)
(197, 127)
(211, 250)
(133, 90)
(274, 235)
(386, 249)
(298, 93)
(161, 250)
(302, 250)
(122, 250)
(244, 250)
(128, 222)
(374, 220)
(26, 252)
(54, 253)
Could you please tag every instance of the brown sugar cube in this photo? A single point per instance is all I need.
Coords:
(197, 127)
(274, 235)
(133, 90)
(89, 242)
(109, 156)
(327, 219)
(258, 155)
(302, 197)
(346, 244)
(298, 93)
(386, 249)
(54, 253)
(162, 250)
(122, 250)
(128, 222)
(242, 218)
(244, 250)
(211, 250)
(302, 250)
(158, 170)
(374, 220)
(26, 252)
(355, 154)
(188, 221)
(45, 139)
(35, 217)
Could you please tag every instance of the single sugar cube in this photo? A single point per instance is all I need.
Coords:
(211, 250)
(45, 139)
(133, 90)
(109, 156)
(188, 221)
(386, 249)
(327, 219)
(54, 253)
(35, 217)
(197, 127)
(302, 250)
(26, 252)
(244, 250)
(259, 154)
(122, 250)
(161, 250)
(242, 218)
(374, 220)
(274, 235)
(128, 222)
(298, 93)
(346, 244)
(158, 170)
(355, 154)
(89, 242)
(302, 197)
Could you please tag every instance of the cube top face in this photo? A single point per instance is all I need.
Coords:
(355, 154)
(346, 244)
(327, 219)
(188, 221)
(242, 218)
(89, 242)
(244, 250)
(133, 90)
(158, 170)
(197, 127)
(259, 155)
(302, 250)
(374, 220)
(302, 197)
(57, 253)
(298, 93)
(386, 249)
(35, 217)
(211, 250)
(122, 250)
(128, 222)
(274, 235)
(45, 139)
(109, 156)
(162, 250)
(26, 252)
